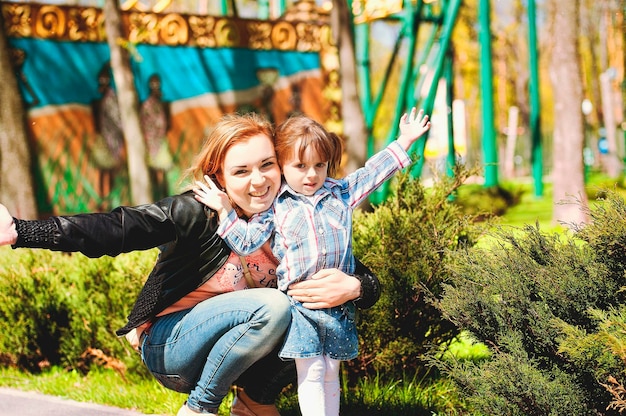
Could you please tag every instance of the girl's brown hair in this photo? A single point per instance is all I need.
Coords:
(230, 130)
(311, 135)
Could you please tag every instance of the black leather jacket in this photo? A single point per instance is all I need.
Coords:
(183, 229)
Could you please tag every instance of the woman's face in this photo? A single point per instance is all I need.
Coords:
(250, 175)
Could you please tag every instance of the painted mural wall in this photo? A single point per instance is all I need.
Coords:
(188, 69)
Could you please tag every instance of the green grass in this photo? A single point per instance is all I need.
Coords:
(533, 209)
(464, 348)
(380, 397)
(129, 392)
(374, 397)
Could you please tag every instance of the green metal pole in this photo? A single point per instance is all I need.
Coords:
(426, 52)
(408, 31)
(264, 9)
(535, 102)
(409, 93)
(490, 154)
(449, 76)
(224, 4)
(436, 22)
(369, 117)
(429, 102)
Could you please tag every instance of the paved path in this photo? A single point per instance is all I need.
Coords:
(22, 403)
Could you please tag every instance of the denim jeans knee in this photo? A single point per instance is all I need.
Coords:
(203, 350)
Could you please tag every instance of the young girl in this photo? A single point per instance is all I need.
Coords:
(311, 224)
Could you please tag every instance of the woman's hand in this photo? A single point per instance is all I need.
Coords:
(325, 289)
(8, 234)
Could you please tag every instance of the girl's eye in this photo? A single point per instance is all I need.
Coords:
(300, 166)
(321, 165)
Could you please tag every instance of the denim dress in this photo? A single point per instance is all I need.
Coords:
(313, 332)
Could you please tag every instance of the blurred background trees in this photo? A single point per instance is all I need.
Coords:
(596, 61)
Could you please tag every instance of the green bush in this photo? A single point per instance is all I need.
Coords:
(486, 202)
(57, 307)
(530, 297)
(512, 383)
(406, 241)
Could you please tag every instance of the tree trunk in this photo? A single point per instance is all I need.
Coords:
(140, 187)
(520, 77)
(354, 128)
(566, 77)
(355, 131)
(16, 180)
(624, 71)
(613, 161)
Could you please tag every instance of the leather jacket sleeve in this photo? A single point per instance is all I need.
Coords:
(122, 230)
(370, 286)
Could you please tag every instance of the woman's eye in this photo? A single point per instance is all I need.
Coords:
(240, 172)
(268, 164)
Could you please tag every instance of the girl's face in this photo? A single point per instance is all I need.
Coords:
(308, 175)
(250, 175)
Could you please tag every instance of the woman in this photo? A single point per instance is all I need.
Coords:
(196, 331)
(310, 225)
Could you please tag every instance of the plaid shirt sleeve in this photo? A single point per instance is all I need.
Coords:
(378, 168)
(247, 237)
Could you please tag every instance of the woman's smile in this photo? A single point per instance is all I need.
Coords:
(260, 194)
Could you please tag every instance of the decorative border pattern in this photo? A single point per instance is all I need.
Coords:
(86, 24)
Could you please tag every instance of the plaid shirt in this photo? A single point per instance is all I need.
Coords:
(312, 233)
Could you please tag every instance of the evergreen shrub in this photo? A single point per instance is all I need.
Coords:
(407, 241)
(485, 202)
(542, 302)
(63, 309)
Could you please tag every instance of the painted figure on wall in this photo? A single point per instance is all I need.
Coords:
(18, 57)
(155, 123)
(108, 152)
(295, 101)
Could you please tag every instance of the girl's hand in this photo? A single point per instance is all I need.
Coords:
(211, 196)
(8, 233)
(412, 127)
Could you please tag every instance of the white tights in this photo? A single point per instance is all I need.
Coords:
(318, 386)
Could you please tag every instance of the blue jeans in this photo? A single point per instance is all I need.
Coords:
(203, 350)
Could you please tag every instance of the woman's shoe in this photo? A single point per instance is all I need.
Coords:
(185, 411)
(245, 406)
